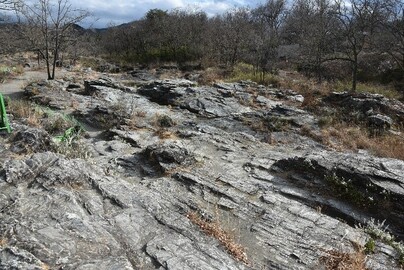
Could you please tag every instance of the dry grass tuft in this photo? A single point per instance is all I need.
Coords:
(3, 242)
(7, 72)
(337, 260)
(210, 76)
(163, 133)
(136, 119)
(25, 110)
(343, 137)
(214, 229)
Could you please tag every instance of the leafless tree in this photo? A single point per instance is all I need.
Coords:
(232, 35)
(358, 21)
(311, 24)
(9, 4)
(393, 43)
(269, 19)
(49, 26)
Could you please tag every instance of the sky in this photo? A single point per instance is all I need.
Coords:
(115, 12)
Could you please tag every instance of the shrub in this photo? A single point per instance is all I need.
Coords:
(379, 231)
(246, 72)
(211, 75)
(6, 72)
(334, 259)
(164, 121)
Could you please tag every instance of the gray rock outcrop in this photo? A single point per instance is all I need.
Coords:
(286, 203)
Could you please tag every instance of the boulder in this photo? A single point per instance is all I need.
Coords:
(169, 156)
(94, 86)
(364, 102)
(164, 92)
(31, 140)
(141, 75)
(372, 186)
(380, 122)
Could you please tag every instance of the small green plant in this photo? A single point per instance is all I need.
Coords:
(346, 189)
(69, 144)
(370, 246)
(379, 231)
(401, 259)
(55, 122)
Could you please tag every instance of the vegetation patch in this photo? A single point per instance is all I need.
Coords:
(69, 144)
(213, 229)
(370, 246)
(379, 231)
(162, 123)
(344, 188)
(372, 88)
(338, 260)
(7, 72)
(247, 72)
(352, 137)
(26, 111)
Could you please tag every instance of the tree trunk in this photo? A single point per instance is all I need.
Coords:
(55, 59)
(48, 69)
(354, 73)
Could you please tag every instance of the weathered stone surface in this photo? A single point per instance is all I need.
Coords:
(81, 219)
(49, 93)
(164, 92)
(168, 156)
(94, 86)
(14, 258)
(31, 140)
(380, 122)
(142, 75)
(127, 206)
(374, 186)
(365, 103)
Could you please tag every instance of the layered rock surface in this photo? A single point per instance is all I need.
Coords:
(126, 207)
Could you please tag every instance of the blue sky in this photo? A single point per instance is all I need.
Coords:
(106, 12)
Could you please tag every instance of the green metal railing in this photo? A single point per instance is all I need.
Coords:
(4, 124)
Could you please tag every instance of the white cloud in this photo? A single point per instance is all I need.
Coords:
(121, 11)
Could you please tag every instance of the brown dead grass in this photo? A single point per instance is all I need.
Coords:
(25, 110)
(210, 76)
(44, 266)
(337, 260)
(214, 229)
(389, 146)
(136, 119)
(3, 242)
(163, 133)
(344, 137)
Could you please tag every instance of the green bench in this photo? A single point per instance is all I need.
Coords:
(4, 124)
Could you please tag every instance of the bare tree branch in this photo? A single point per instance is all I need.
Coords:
(48, 26)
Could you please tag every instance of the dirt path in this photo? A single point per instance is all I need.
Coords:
(13, 86)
